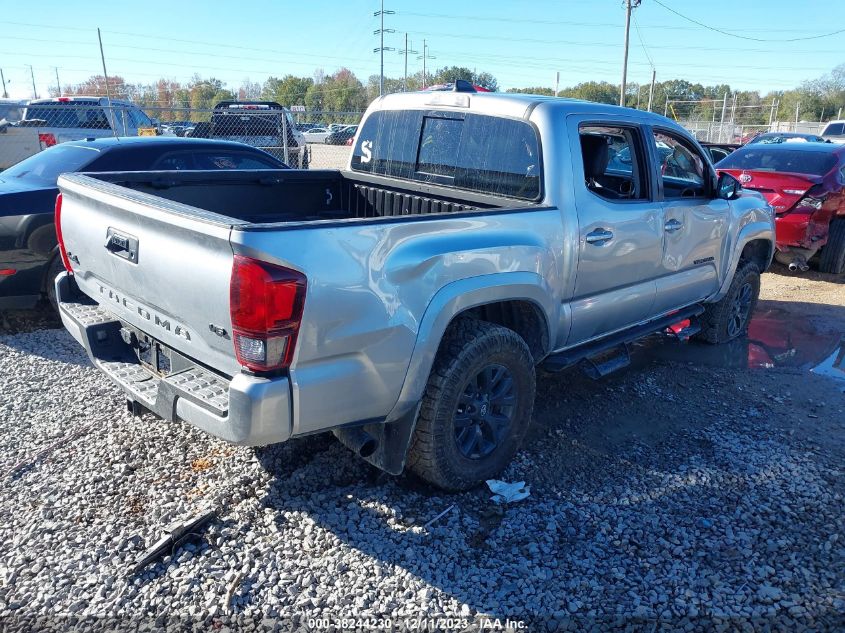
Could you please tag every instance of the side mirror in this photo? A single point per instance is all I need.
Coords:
(727, 187)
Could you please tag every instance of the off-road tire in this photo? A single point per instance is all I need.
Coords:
(56, 266)
(716, 321)
(468, 347)
(832, 257)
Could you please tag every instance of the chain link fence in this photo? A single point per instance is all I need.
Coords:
(307, 139)
(317, 140)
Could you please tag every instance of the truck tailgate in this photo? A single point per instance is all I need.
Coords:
(160, 266)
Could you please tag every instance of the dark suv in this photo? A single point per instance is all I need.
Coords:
(261, 124)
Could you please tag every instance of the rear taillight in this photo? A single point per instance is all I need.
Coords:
(58, 222)
(810, 203)
(266, 303)
(46, 140)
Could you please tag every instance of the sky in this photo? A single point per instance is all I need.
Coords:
(522, 43)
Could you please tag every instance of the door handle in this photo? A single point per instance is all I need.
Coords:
(673, 225)
(599, 236)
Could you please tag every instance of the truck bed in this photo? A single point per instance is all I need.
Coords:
(271, 197)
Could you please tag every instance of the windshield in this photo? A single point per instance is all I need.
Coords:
(765, 159)
(45, 167)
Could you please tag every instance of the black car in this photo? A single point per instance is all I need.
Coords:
(718, 151)
(774, 138)
(28, 254)
(341, 136)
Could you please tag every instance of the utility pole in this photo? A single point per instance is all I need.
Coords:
(32, 74)
(382, 47)
(722, 122)
(424, 57)
(629, 5)
(58, 83)
(797, 111)
(557, 82)
(405, 52)
(651, 90)
(106, 77)
(3, 81)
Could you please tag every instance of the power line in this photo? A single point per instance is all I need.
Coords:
(642, 43)
(747, 37)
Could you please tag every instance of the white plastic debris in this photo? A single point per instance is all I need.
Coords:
(504, 492)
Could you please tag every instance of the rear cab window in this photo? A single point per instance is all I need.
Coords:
(70, 115)
(480, 153)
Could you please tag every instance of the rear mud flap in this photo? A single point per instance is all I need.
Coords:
(393, 441)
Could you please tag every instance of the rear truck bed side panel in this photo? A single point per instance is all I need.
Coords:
(375, 292)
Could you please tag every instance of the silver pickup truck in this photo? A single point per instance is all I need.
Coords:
(405, 302)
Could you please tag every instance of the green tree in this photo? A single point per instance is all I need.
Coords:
(450, 74)
(289, 90)
(597, 91)
(204, 94)
(343, 92)
(391, 85)
(535, 90)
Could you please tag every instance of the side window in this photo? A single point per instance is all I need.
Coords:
(174, 162)
(139, 119)
(682, 168)
(613, 162)
(94, 119)
(229, 160)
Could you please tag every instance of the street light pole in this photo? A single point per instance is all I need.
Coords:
(58, 83)
(629, 5)
(3, 81)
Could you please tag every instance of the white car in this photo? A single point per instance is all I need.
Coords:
(834, 132)
(316, 135)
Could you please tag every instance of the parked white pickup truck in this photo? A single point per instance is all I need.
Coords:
(46, 122)
(405, 302)
(17, 143)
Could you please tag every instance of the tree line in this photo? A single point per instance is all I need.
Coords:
(342, 91)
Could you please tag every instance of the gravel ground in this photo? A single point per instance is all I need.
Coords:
(673, 495)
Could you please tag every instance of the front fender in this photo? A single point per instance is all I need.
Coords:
(455, 298)
(758, 229)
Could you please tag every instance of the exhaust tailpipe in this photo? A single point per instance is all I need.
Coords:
(358, 440)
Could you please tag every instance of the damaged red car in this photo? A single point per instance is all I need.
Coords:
(805, 184)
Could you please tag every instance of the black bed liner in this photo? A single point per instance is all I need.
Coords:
(279, 196)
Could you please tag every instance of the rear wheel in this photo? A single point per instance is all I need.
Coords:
(476, 408)
(832, 256)
(728, 318)
(56, 266)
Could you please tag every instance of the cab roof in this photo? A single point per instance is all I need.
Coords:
(503, 104)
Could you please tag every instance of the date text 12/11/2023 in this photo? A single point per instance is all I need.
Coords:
(415, 624)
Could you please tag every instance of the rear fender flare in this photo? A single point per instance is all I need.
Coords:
(452, 300)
